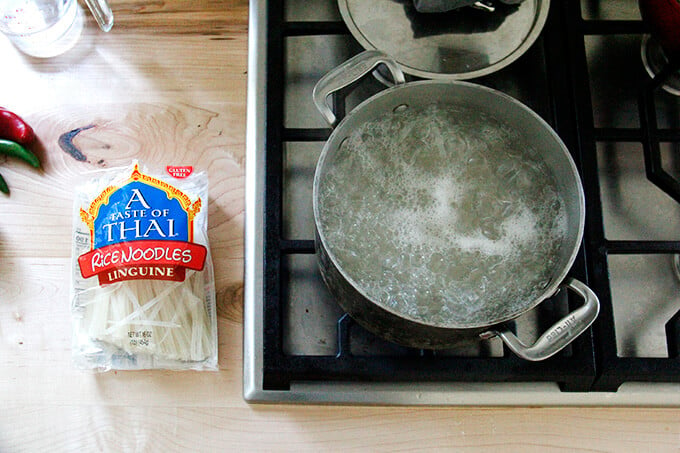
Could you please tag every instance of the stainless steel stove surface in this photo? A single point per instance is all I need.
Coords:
(585, 76)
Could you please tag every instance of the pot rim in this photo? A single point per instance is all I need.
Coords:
(555, 282)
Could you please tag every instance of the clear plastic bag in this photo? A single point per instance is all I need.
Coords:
(142, 287)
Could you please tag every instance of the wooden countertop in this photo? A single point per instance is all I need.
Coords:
(168, 86)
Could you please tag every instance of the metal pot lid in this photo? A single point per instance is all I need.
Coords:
(461, 44)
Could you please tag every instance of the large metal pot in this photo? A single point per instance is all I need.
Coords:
(489, 317)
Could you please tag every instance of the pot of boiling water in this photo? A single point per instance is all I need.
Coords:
(445, 209)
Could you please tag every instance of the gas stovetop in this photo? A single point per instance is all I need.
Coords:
(585, 76)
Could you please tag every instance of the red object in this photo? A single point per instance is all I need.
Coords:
(179, 172)
(663, 16)
(142, 254)
(13, 128)
(143, 272)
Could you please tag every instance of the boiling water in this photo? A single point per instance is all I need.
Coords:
(444, 215)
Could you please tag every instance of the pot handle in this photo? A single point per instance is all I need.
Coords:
(347, 73)
(561, 333)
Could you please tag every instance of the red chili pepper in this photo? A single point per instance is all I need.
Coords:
(13, 128)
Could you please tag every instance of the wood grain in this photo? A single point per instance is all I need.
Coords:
(167, 86)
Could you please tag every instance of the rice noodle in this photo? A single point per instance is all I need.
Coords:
(125, 315)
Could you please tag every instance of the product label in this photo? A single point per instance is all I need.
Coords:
(141, 229)
(179, 172)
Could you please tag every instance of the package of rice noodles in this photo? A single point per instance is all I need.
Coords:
(142, 287)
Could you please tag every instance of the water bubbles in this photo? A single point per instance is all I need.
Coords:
(442, 214)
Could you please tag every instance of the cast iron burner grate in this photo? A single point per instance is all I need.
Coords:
(592, 361)
(614, 370)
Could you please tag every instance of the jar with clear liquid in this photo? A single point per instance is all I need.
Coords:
(46, 28)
